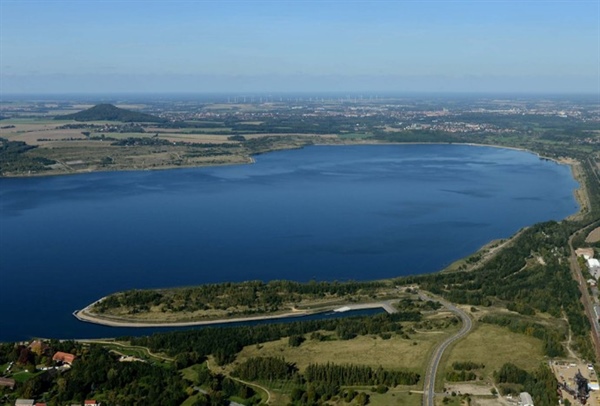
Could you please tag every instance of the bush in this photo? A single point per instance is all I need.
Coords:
(296, 340)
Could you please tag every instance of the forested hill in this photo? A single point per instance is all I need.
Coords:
(108, 112)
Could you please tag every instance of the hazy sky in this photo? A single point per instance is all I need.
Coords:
(236, 46)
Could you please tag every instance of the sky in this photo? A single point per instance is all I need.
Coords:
(110, 46)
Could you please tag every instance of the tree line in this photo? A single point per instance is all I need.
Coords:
(355, 375)
(224, 343)
(322, 382)
(541, 383)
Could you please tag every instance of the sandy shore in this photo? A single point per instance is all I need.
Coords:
(86, 315)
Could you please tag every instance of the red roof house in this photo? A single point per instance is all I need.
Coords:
(64, 357)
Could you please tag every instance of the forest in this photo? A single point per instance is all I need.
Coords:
(322, 382)
(505, 281)
(14, 158)
(541, 383)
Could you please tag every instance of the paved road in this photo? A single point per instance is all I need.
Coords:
(429, 385)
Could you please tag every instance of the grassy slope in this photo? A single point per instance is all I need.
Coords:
(494, 346)
(395, 353)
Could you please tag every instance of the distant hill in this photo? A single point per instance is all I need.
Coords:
(108, 112)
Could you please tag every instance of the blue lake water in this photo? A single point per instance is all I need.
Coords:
(323, 212)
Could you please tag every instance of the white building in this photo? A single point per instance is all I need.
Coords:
(525, 399)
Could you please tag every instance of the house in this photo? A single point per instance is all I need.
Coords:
(24, 402)
(64, 357)
(7, 382)
(91, 403)
(525, 399)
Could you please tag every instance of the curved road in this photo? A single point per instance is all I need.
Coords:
(429, 385)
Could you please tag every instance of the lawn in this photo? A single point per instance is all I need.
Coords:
(191, 373)
(393, 397)
(24, 376)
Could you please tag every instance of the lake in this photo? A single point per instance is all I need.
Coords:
(322, 212)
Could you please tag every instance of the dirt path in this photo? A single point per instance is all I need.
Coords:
(569, 340)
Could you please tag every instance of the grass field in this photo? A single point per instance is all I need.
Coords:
(191, 373)
(354, 136)
(593, 236)
(395, 397)
(31, 120)
(24, 376)
(395, 353)
(494, 346)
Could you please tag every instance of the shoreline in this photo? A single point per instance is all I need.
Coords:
(580, 194)
(85, 316)
(250, 159)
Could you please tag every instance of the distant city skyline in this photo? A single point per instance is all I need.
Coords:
(286, 46)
